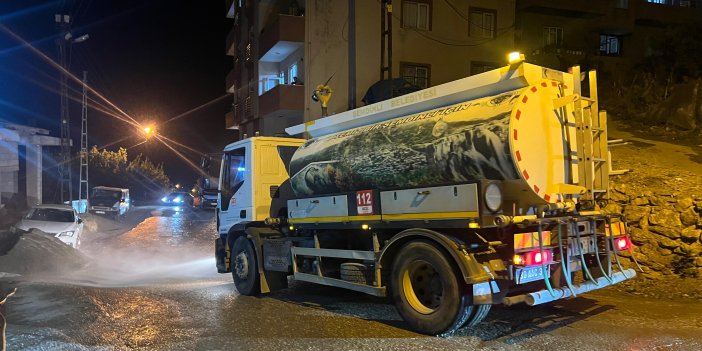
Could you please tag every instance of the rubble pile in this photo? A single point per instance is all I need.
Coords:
(36, 253)
(664, 222)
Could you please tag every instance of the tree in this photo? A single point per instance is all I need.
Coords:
(112, 168)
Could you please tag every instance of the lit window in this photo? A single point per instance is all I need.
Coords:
(292, 72)
(416, 14)
(663, 2)
(268, 82)
(415, 74)
(610, 45)
(482, 23)
(553, 36)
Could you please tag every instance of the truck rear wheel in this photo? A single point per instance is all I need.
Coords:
(427, 291)
(245, 267)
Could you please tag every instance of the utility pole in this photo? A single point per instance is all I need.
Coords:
(386, 43)
(83, 185)
(352, 54)
(63, 43)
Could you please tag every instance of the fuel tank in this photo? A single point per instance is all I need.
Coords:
(518, 137)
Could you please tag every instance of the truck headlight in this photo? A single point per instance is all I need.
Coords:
(493, 197)
(66, 234)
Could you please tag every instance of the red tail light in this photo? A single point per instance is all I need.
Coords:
(532, 258)
(622, 243)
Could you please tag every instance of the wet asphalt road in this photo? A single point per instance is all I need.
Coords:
(155, 287)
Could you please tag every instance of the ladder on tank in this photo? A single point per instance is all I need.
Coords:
(591, 141)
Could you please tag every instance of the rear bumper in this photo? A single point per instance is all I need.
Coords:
(544, 296)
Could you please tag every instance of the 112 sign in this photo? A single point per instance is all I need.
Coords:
(364, 202)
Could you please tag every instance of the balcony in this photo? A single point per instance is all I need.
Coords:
(659, 15)
(231, 41)
(283, 37)
(572, 8)
(283, 100)
(231, 121)
(231, 81)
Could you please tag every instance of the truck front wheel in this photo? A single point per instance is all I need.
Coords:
(427, 291)
(244, 267)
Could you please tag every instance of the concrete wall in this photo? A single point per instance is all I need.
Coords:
(326, 47)
(10, 160)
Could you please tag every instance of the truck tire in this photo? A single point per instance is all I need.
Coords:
(427, 291)
(245, 267)
(356, 273)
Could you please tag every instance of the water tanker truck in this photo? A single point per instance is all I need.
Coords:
(486, 190)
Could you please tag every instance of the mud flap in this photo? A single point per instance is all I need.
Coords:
(221, 256)
(270, 280)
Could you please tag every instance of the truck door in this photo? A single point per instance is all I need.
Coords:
(235, 197)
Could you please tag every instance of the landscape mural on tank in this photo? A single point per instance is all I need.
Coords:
(453, 144)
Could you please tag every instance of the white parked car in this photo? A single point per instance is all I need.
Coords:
(60, 221)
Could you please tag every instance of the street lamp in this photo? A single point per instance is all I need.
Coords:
(149, 131)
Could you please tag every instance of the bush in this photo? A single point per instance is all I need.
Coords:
(144, 179)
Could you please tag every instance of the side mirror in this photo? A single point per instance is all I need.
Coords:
(80, 220)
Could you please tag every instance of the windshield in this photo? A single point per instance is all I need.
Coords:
(106, 194)
(50, 215)
(172, 196)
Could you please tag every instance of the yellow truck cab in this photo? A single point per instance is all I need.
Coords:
(251, 173)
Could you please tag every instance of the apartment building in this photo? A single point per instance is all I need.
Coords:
(433, 42)
(273, 42)
(266, 44)
(610, 35)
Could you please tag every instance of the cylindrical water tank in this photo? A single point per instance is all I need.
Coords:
(517, 136)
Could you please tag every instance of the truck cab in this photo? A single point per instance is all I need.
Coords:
(252, 172)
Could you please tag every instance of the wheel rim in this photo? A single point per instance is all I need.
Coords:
(241, 265)
(422, 287)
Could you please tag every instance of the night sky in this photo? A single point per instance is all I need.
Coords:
(155, 59)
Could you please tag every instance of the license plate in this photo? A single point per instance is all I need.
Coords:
(526, 275)
(100, 212)
(213, 203)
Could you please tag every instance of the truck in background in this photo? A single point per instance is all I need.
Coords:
(109, 201)
(482, 191)
(208, 182)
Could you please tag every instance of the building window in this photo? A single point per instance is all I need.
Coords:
(267, 82)
(416, 74)
(553, 36)
(482, 22)
(663, 2)
(477, 67)
(292, 73)
(610, 45)
(416, 14)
